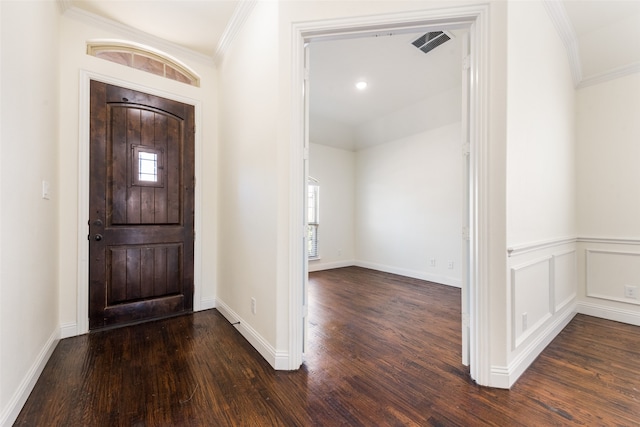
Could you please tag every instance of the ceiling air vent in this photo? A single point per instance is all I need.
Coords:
(429, 41)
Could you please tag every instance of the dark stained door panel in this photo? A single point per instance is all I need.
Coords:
(141, 206)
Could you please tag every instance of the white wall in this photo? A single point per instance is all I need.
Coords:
(28, 224)
(597, 51)
(248, 182)
(441, 109)
(256, 120)
(540, 130)
(541, 212)
(608, 202)
(335, 171)
(608, 173)
(394, 204)
(409, 205)
(76, 30)
(329, 132)
(255, 164)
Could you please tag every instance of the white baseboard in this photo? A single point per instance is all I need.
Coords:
(435, 278)
(10, 413)
(609, 313)
(505, 377)
(279, 360)
(319, 265)
(207, 303)
(68, 330)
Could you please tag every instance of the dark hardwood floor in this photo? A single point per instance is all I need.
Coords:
(383, 350)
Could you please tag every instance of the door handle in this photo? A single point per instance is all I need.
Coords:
(98, 237)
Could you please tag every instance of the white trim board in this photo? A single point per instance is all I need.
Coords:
(609, 313)
(616, 73)
(240, 14)
(279, 360)
(534, 246)
(506, 376)
(435, 278)
(609, 240)
(19, 397)
(320, 266)
(476, 19)
(564, 27)
(82, 314)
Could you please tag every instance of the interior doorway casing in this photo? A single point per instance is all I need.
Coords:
(475, 19)
(82, 304)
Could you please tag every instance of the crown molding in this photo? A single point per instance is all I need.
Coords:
(567, 33)
(64, 5)
(609, 75)
(132, 33)
(240, 15)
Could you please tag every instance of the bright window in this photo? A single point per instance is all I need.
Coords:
(313, 210)
(142, 58)
(147, 166)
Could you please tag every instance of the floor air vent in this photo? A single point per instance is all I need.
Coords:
(429, 41)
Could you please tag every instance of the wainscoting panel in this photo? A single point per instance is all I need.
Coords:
(531, 293)
(609, 271)
(565, 277)
(543, 285)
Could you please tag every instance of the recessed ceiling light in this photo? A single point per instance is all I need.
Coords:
(361, 85)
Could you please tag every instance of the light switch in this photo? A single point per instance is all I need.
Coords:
(46, 190)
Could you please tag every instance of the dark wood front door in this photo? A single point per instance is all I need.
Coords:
(141, 208)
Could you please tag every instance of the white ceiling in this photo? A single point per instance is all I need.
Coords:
(607, 33)
(590, 15)
(197, 25)
(398, 75)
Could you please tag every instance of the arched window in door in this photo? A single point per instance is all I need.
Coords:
(313, 211)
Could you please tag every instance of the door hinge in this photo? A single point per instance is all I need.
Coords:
(466, 149)
(465, 233)
(466, 62)
(465, 319)
(305, 153)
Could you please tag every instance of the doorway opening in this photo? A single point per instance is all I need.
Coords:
(385, 139)
(471, 20)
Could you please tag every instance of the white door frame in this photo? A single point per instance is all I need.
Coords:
(476, 19)
(82, 314)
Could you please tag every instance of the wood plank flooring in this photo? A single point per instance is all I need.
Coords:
(383, 350)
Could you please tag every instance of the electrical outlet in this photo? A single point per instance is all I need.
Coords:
(339, 252)
(450, 265)
(525, 322)
(432, 262)
(253, 306)
(630, 291)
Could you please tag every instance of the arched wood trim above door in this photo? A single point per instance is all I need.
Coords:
(142, 58)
